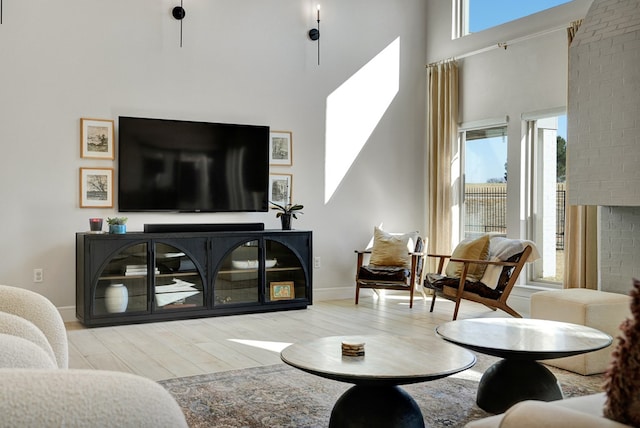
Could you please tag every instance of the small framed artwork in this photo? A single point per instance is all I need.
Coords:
(281, 290)
(96, 187)
(280, 188)
(280, 148)
(96, 139)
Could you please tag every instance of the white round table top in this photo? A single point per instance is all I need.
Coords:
(531, 339)
(388, 360)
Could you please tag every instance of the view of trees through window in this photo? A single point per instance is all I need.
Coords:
(561, 159)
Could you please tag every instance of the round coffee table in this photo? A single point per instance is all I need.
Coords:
(520, 342)
(376, 400)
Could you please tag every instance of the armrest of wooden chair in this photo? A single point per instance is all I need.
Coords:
(441, 259)
(360, 254)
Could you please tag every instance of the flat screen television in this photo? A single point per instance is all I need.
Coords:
(183, 166)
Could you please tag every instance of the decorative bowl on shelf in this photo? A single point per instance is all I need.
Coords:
(170, 255)
(252, 264)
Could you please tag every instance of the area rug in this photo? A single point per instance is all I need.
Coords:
(281, 396)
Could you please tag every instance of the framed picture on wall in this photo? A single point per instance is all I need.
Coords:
(280, 188)
(96, 187)
(281, 290)
(96, 139)
(280, 148)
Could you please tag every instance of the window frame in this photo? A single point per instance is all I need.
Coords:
(459, 205)
(532, 188)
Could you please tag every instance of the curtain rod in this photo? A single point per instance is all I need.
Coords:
(501, 45)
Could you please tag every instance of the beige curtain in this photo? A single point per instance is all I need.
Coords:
(581, 255)
(581, 249)
(442, 129)
(573, 29)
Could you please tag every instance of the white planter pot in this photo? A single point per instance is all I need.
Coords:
(116, 298)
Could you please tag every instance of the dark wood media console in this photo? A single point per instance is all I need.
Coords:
(144, 277)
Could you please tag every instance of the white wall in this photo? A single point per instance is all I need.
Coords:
(602, 162)
(618, 255)
(242, 62)
(604, 148)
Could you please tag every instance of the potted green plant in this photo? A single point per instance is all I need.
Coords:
(285, 212)
(117, 225)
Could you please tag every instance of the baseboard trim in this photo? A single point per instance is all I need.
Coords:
(68, 313)
(333, 293)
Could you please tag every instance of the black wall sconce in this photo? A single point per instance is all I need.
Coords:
(314, 33)
(179, 14)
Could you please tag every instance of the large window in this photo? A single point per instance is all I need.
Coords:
(546, 138)
(485, 181)
(484, 178)
(472, 16)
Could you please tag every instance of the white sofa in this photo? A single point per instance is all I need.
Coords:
(38, 390)
(576, 412)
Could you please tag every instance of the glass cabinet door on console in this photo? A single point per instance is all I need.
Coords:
(238, 277)
(179, 275)
(285, 276)
(122, 283)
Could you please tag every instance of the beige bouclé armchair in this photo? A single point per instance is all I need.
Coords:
(38, 390)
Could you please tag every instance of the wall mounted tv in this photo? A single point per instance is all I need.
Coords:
(183, 166)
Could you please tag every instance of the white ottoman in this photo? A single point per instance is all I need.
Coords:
(598, 309)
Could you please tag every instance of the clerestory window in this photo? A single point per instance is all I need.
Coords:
(472, 16)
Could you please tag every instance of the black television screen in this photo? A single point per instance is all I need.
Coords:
(173, 165)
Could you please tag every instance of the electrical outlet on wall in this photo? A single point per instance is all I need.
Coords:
(38, 275)
(316, 262)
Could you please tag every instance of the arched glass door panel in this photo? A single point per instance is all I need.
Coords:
(122, 285)
(238, 278)
(178, 281)
(285, 278)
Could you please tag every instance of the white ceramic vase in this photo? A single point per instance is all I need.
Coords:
(116, 298)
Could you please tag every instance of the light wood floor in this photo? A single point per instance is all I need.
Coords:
(166, 350)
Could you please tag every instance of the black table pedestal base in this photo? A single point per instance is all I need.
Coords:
(508, 382)
(376, 406)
